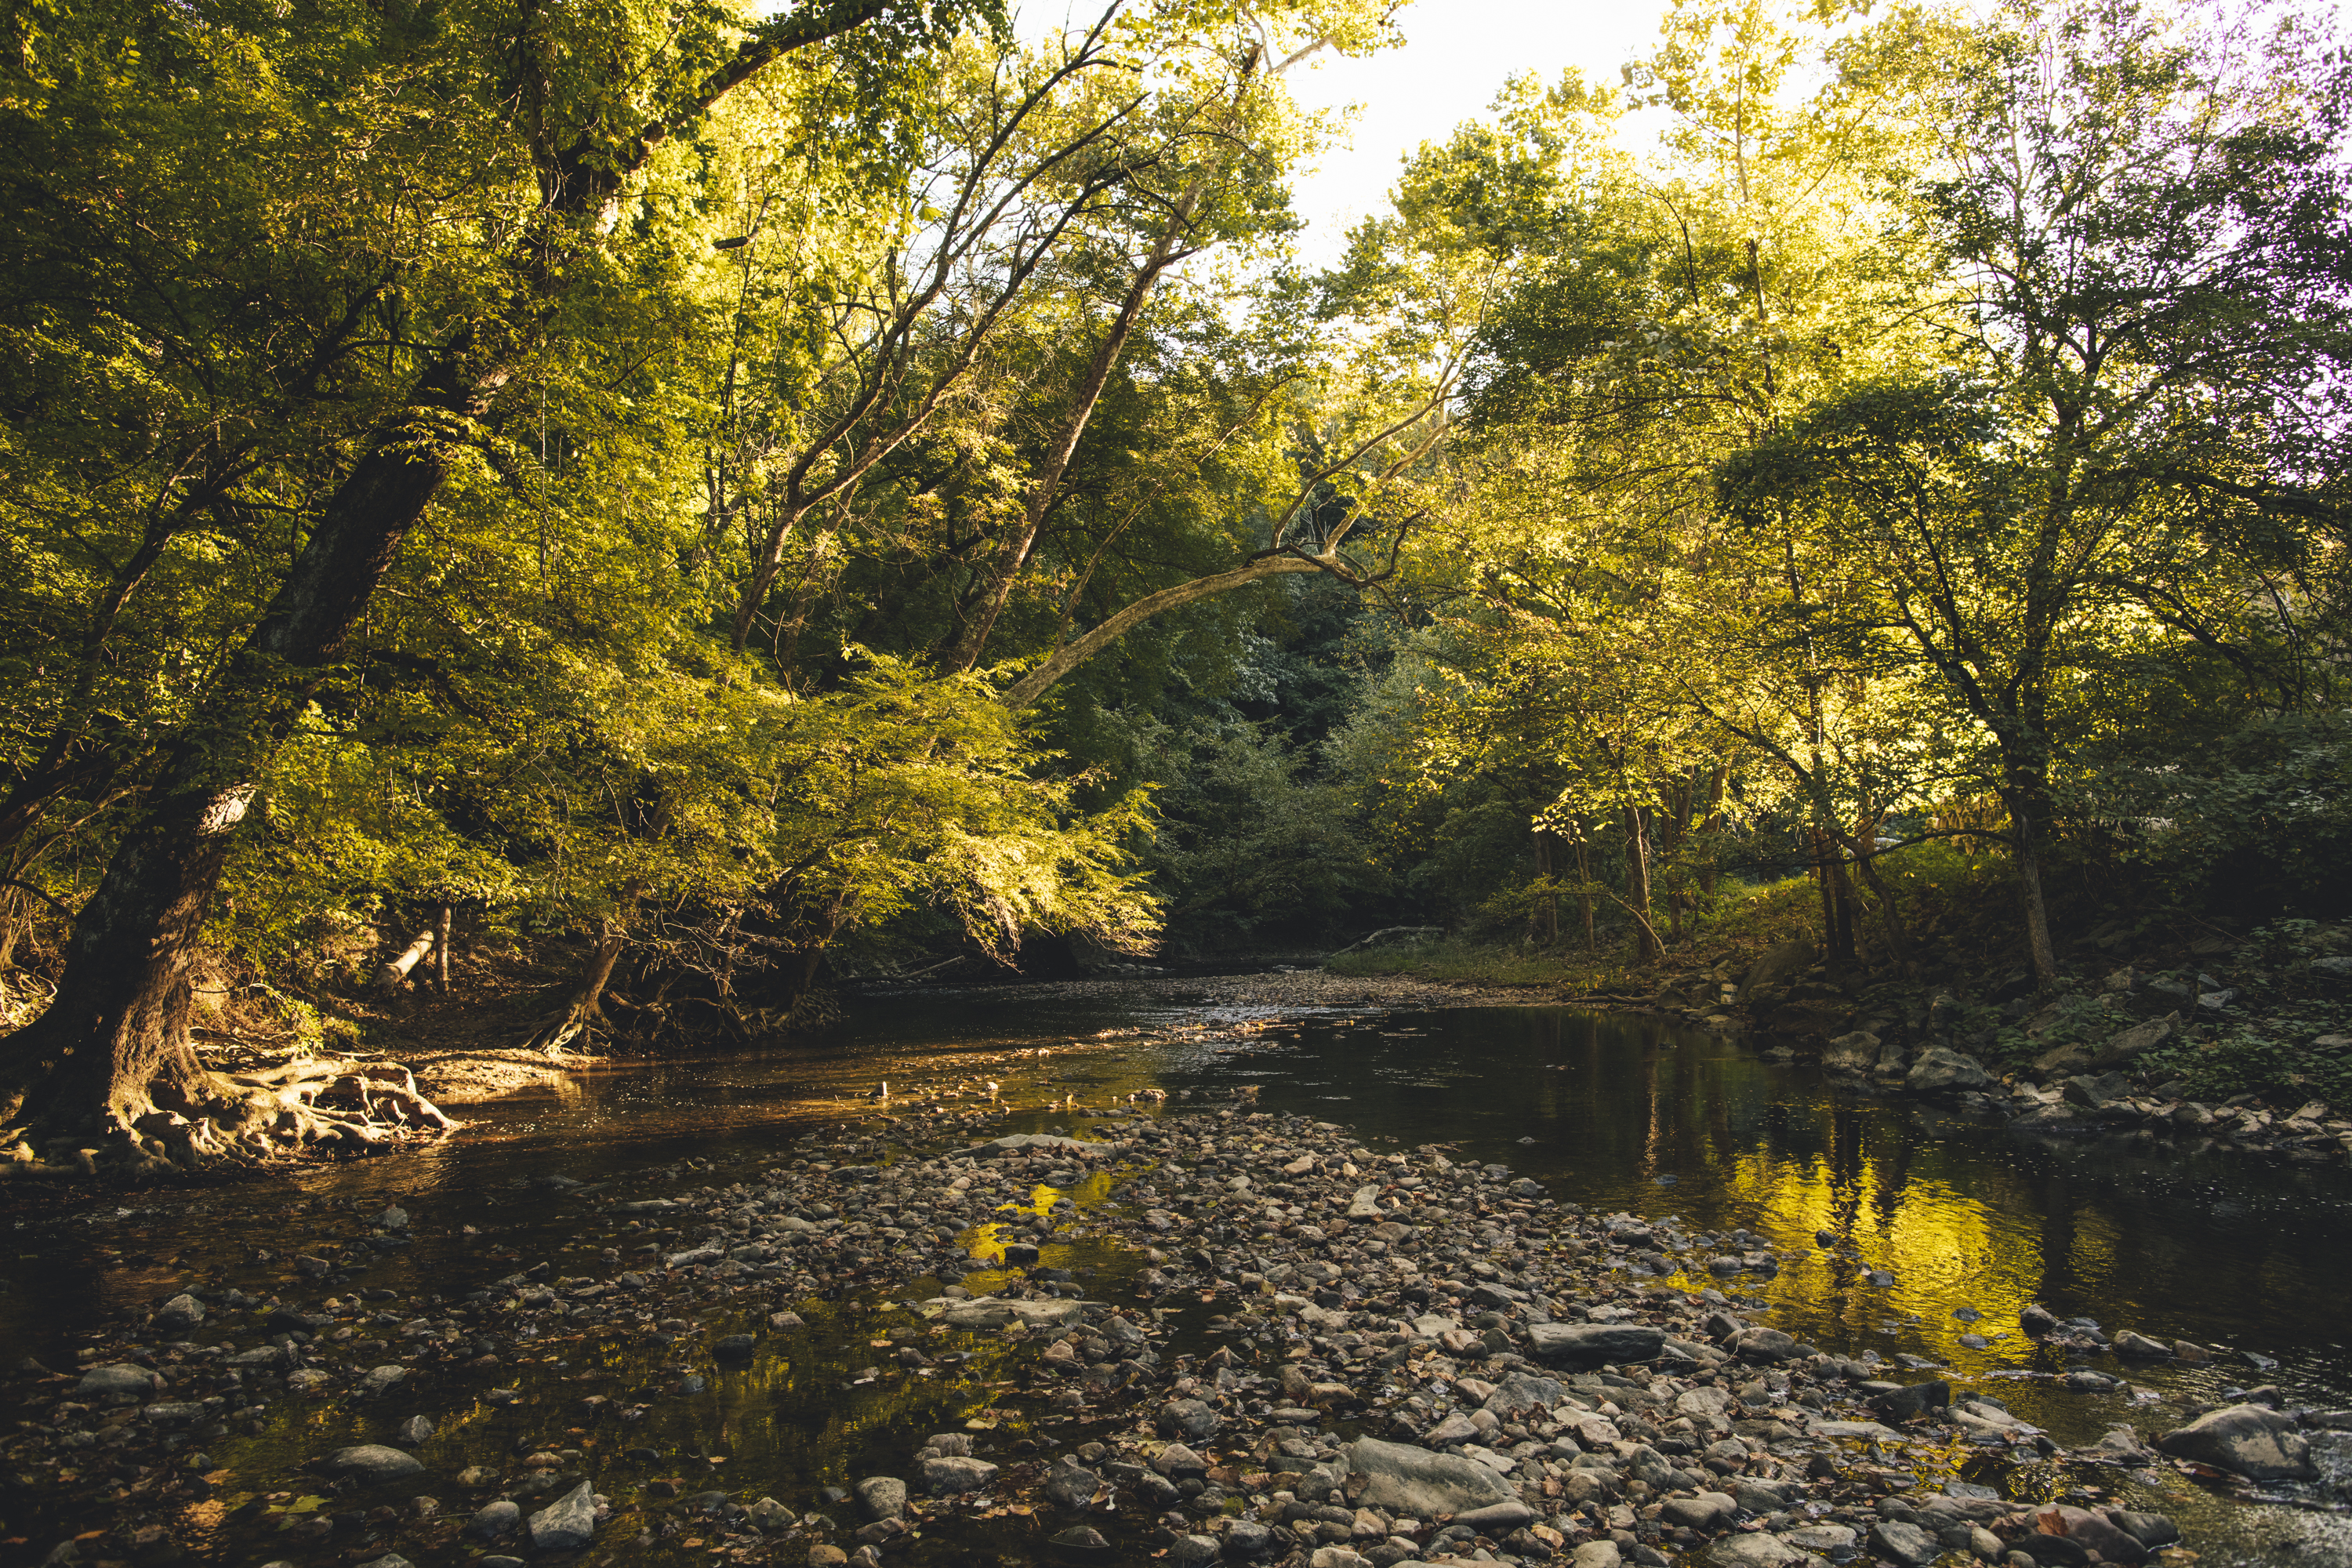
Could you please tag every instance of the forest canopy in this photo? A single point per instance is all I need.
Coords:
(745, 498)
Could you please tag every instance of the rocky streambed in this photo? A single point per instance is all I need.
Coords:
(1201, 1331)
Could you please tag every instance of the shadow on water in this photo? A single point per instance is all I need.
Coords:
(1612, 1113)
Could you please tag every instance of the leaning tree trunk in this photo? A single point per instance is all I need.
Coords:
(584, 1008)
(113, 1045)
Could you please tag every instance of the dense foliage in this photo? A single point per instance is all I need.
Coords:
(875, 474)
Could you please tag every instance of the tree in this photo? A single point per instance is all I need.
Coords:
(538, 138)
(2147, 223)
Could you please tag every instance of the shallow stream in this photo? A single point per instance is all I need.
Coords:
(1611, 1112)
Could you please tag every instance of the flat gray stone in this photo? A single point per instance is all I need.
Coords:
(1048, 1140)
(1593, 1344)
(119, 1378)
(1758, 1550)
(2250, 1440)
(1904, 1544)
(1403, 1479)
(371, 1462)
(952, 1476)
(1709, 1511)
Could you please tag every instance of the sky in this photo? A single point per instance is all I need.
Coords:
(1456, 56)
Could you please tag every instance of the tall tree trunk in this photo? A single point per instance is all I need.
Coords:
(442, 921)
(1543, 841)
(1637, 884)
(116, 1033)
(1584, 885)
(2030, 815)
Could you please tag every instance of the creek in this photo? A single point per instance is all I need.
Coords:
(1895, 1223)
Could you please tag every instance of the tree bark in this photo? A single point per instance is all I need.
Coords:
(1637, 884)
(119, 1021)
(1070, 655)
(441, 924)
(116, 1033)
(585, 1009)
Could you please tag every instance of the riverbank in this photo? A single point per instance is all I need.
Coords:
(1217, 1333)
(2188, 1036)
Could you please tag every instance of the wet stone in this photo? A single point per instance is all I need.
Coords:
(371, 1462)
(2248, 1440)
(495, 1519)
(568, 1523)
(882, 1497)
(952, 1476)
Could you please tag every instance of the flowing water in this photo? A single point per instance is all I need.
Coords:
(1612, 1113)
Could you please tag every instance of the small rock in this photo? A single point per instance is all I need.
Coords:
(380, 1378)
(1186, 1418)
(1914, 1400)
(497, 1518)
(415, 1429)
(882, 1497)
(1758, 1551)
(371, 1462)
(1707, 1511)
(1071, 1486)
(568, 1523)
(179, 1314)
(952, 1476)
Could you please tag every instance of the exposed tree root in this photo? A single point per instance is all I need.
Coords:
(251, 1118)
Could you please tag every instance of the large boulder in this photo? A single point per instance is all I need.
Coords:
(1594, 1344)
(2097, 1093)
(2250, 1440)
(1855, 1052)
(1403, 1479)
(1942, 1070)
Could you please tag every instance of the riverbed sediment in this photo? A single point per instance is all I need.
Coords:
(1194, 1333)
